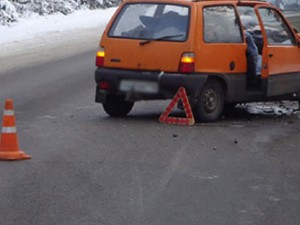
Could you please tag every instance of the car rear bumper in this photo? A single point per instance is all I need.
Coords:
(168, 83)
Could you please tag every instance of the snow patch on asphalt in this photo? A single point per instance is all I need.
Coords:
(279, 108)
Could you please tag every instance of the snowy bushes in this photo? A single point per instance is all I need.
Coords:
(8, 12)
(12, 10)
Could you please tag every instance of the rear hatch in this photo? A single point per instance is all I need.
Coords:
(147, 36)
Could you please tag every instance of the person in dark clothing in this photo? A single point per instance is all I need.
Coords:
(252, 58)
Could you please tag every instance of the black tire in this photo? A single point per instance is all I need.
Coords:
(116, 106)
(210, 102)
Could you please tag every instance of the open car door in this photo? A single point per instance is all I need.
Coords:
(280, 54)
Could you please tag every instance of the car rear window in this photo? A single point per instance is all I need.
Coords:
(151, 21)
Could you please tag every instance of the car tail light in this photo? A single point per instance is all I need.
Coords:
(187, 63)
(104, 85)
(100, 58)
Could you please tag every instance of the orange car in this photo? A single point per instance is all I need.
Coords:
(222, 52)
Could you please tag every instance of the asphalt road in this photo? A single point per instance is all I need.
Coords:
(88, 168)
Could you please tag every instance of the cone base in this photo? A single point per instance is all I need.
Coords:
(10, 156)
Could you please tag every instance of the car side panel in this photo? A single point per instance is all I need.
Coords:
(218, 57)
(227, 61)
(284, 70)
(281, 84)
(283, 59)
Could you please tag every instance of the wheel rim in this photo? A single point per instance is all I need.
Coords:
(210, 100)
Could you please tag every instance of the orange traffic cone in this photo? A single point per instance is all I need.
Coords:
(9, 146)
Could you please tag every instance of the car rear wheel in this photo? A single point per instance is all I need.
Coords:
(210, 103)
(117, 106)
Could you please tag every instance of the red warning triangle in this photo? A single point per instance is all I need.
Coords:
(189, 120)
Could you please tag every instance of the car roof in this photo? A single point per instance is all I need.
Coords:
(251, 3)
(242, 2)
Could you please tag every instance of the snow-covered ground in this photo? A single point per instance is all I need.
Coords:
(41, 39)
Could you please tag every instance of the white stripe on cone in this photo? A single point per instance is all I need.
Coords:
(8, 112)
(9, 130)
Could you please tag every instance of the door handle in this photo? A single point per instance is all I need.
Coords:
(232, 65)
(271, 55)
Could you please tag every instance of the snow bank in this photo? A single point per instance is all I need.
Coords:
(12, 10)
(41, 26)
(43, 39)
(8, 12)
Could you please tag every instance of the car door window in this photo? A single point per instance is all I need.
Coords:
(248, 18)
(277, 30)
(221, 25)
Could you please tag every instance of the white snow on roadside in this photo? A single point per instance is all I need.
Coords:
(38, 26)
(43, 39)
